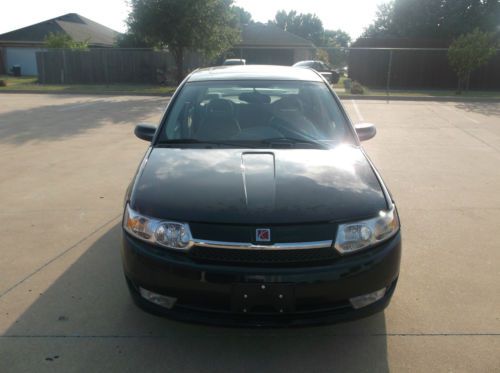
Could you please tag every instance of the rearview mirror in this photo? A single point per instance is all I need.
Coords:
(365, 131)
(145, 131)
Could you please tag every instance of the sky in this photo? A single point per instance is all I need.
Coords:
(351, 16)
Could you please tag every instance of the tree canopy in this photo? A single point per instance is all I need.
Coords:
(63, 41)
(242, 16)
(207, 26)
(310, 27)
(131, 40)
(468, 52)
(440, 19)
(336, 38)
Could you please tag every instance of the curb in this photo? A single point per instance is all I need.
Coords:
(419, 98)
(86, 93)
(340, 96)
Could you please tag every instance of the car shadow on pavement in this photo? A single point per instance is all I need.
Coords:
(71, 118)
(89, 302)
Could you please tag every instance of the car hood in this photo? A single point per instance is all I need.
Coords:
(257, 187)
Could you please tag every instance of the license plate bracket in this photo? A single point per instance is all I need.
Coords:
(263, 298)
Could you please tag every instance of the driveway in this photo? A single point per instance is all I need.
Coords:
(66, 161)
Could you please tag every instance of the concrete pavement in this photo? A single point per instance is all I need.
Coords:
(65, 164)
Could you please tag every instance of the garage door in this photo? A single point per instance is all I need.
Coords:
(25, 57)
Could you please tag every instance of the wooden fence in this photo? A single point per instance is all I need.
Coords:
(3, 68)
(419, 68)
(106, 66)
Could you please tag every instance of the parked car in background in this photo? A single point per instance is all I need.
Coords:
(255, 204)
(344, 71)
(234, 61)
(330, 74)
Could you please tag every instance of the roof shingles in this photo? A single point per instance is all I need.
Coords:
(72, 24)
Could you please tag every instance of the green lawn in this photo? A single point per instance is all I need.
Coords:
(339, 89)
(436, 93)
(17, 81)
(29, 83)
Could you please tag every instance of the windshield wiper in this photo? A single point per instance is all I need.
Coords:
(246, 144)
(202, 142)
(293, 140)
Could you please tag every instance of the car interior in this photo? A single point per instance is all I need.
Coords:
(253, 115)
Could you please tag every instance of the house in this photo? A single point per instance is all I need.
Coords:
(19, 47)
(270, 45)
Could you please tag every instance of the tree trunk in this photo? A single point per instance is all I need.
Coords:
(467, 83)
(459, 85)
(179, 63)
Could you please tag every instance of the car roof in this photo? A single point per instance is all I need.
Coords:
(308, 61)
(254, 72)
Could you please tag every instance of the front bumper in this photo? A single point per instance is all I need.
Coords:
(205, 292)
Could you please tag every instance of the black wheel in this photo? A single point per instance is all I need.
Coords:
(335, 77)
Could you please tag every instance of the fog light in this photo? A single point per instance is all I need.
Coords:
(161, 300)
(365, 300)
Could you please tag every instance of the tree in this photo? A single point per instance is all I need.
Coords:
(382, 26)
(322, 55)
(336, 38)
(464, 16)
(207, 26)
(131, 40)
(242, 16)
(335, 42)
(308, 26)
(439, 19)
(468, 52)
(63, 41)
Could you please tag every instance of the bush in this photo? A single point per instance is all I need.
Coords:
(469, 52)
(357, 88)
(322, 55)
(3, 83)
(64, 41)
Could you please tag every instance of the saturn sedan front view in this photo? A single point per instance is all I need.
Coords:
(255, 205)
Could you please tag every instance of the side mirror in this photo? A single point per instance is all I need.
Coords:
(145, 132)
(365, 131)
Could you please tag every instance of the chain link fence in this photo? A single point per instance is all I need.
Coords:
(406, 68)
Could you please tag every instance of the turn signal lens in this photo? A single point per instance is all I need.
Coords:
(367, 299)
(137, 225)
(161, 300)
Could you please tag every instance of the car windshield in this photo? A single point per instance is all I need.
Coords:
(303, 63)
(233, 62)
(255, 113)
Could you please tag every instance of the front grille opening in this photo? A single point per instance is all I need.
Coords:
(264, 257)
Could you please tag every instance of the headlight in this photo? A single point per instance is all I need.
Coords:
(169, 234)
(359, 235)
